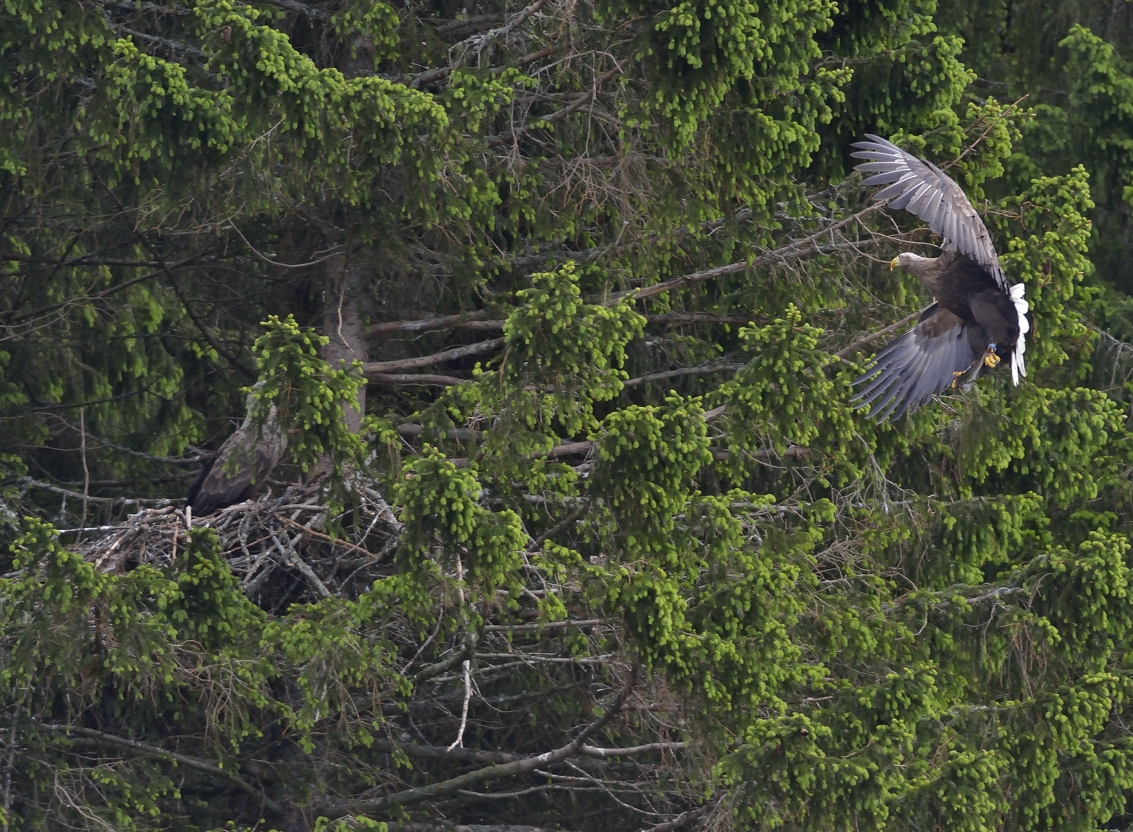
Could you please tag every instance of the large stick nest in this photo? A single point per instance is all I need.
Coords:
(278, 546)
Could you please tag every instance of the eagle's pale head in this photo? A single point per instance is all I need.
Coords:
(909, 262)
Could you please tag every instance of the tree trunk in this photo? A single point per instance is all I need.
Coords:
(344, 323)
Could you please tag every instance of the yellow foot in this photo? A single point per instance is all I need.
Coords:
(991, 359)
(956, 379)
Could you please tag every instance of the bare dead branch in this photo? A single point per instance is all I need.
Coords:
(45, 486)
(447, 27)
(459, 434)
(150, 8)
(580, 101)
(881, 333)
(435, 358)
(463, 320)
(457, 657)
(299, 8)
(476, 322)
(414, 379)
(791, 251)
(684, 819)
(699, 318)
(633, 751)
(707, 369)
(488, 38)
(345, 544)
(541, 626)
(171, 46)
(293, 558)
(433, 76)
(410, 797)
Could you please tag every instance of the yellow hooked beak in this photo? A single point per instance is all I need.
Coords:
(893, 262)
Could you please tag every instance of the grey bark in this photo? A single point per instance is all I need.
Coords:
(344, 323)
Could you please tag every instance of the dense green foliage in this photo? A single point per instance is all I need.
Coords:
(611, 547)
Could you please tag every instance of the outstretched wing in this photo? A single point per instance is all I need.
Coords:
(916, 366)
(922, 188)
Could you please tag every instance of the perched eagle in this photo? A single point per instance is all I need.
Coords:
(978, 320)
(243, 461)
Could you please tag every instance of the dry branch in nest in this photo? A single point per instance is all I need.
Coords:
(278, 546)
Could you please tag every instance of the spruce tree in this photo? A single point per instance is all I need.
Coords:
(608, 545)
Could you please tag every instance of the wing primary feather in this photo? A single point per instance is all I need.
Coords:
(863, 401)
(883, 411)
(902, 201)
(895, 189)
(910, 378)
(888, 375)
(913, 368)
(878, 167)
(919, 203)
(882, 363)
(875, 388)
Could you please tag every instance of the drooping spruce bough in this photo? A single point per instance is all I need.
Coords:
(612, 548)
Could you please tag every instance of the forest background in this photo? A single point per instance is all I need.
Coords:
(610, 548)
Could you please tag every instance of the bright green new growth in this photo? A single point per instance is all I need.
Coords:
(613, 549)
(310, 395)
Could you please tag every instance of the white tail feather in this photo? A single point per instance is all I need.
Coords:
(1018, 368)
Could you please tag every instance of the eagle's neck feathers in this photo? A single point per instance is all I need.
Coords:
(928, 270)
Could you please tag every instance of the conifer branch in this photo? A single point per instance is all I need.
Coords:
(463, 320)
(299, 8)
(172, 756)
(685, 818)
(126, 284)
(175, 285)
(476, 322)
(792, 251)
(707, 369)
(526, 765)
(580, 101)
(384, 367)
(414, 379)
(881, 333)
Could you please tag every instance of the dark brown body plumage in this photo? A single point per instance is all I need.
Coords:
(241, 465)
(966, 290)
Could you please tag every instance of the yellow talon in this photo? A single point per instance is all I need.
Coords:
(955, 385)
(991, 359)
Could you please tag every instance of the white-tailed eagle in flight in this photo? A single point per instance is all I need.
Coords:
(978, 320)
